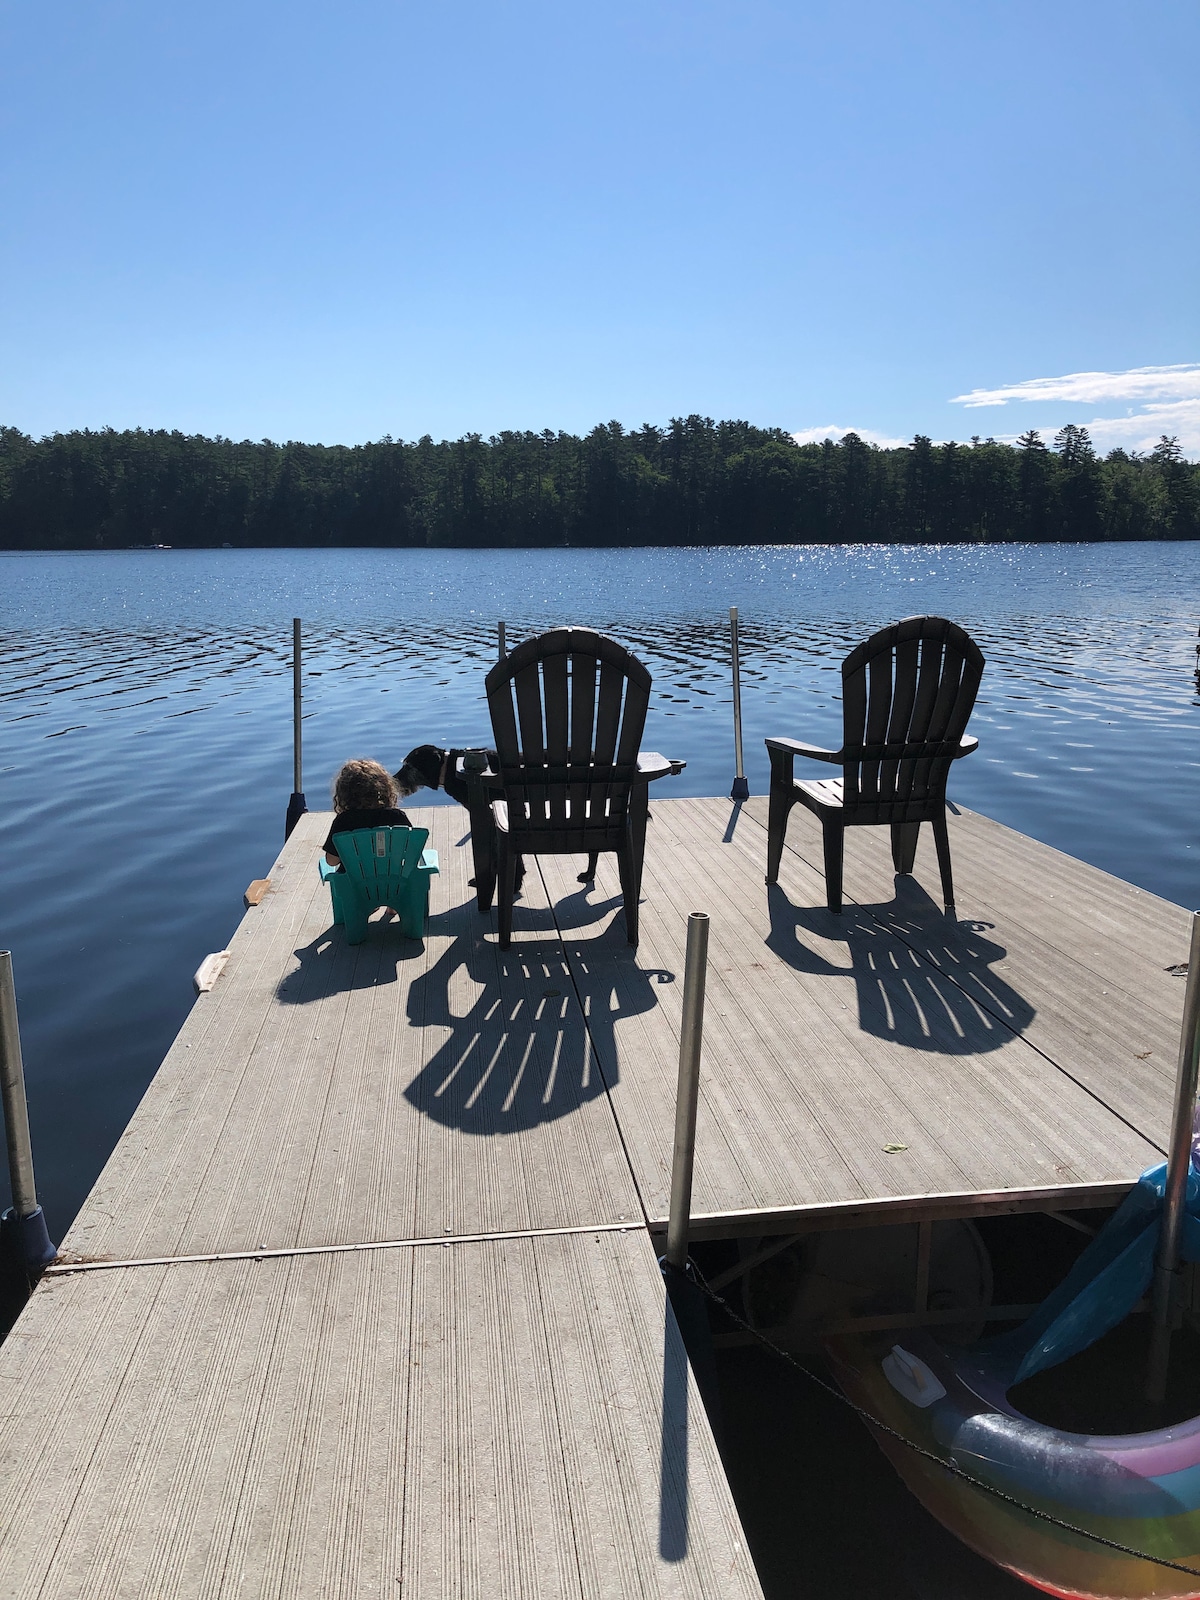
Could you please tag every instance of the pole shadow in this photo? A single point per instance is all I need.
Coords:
(673, 1460)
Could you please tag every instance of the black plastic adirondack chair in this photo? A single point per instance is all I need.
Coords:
(568, 709)
(907, 693)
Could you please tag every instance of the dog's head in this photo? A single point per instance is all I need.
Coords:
(421, 770)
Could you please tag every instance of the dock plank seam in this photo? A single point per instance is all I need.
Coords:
(63, 1269)
(898, 933)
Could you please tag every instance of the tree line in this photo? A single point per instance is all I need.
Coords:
(694, 482)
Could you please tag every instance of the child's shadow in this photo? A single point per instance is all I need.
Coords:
(920, 977)
(328, 965)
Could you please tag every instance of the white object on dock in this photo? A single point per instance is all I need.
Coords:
(209, 970)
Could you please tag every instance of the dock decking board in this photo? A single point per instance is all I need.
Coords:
(458, 1420)
(1089, 952)
(825, 1040)
(383, 1091)
(485, 1416)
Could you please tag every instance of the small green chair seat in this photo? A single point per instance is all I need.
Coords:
(384, 867)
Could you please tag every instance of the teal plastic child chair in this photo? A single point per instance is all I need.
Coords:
(384, 867)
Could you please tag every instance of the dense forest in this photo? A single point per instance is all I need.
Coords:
(695, 482)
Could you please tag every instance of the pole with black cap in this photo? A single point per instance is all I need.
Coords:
(741, 786)
(297, 805)
(24, 1224)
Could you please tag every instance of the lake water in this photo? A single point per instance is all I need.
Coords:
(145, 706)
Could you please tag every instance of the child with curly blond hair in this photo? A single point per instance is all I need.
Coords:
(364, 796)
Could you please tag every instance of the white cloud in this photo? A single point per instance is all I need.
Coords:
(1180, 419)
(1165, 400)
(867, 435)
(1181, 382)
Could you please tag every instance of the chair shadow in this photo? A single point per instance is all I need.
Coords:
(528, 1031)
(524, 1050)
(921, 978)
(328, 965)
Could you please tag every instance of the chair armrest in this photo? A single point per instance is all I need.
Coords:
(326, 870)
(967, 745)
(796, 747)
(651, 765)
(429, 860)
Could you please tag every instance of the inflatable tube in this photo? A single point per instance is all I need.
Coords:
(1141, 1490)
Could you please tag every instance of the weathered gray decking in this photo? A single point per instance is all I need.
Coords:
(1025, 1051)
(492, 1398)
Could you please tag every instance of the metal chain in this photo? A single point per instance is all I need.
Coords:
(947, 1465)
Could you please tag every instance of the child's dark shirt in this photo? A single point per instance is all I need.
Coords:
(381, 817)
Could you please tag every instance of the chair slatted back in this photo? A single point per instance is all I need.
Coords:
(381, 860)
(907, 693)
(568, 709)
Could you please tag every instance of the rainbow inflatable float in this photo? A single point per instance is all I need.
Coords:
(1138, 1490)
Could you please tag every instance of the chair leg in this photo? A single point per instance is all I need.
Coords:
(421, 902)
(777, 820)
(590, 875)
(941, 838)
(412, 906)
(335, 896)
(483, 848)
(904, 845)
(506, 879)
(631, 888)
(832, 836)
(355, 911)
(630, 858)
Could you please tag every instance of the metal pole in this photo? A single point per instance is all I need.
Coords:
(1179, 1155)
(503, 651)
(297, 805)
(741, 789)
(25, 1218)
(297, 713)
(690, 1040)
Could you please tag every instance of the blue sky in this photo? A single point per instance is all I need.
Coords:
(337, 222)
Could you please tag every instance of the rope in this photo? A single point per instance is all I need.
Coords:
(947, 1464)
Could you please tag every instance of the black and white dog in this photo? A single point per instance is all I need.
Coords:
(428, 767)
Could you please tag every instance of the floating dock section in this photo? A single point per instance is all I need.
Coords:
(366, 1301)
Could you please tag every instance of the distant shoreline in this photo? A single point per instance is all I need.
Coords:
(692, 484)
(766, 544)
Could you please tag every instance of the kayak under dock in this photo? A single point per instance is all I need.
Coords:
(366, 1300)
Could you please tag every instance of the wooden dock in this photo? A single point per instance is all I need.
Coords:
(366, 1300)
